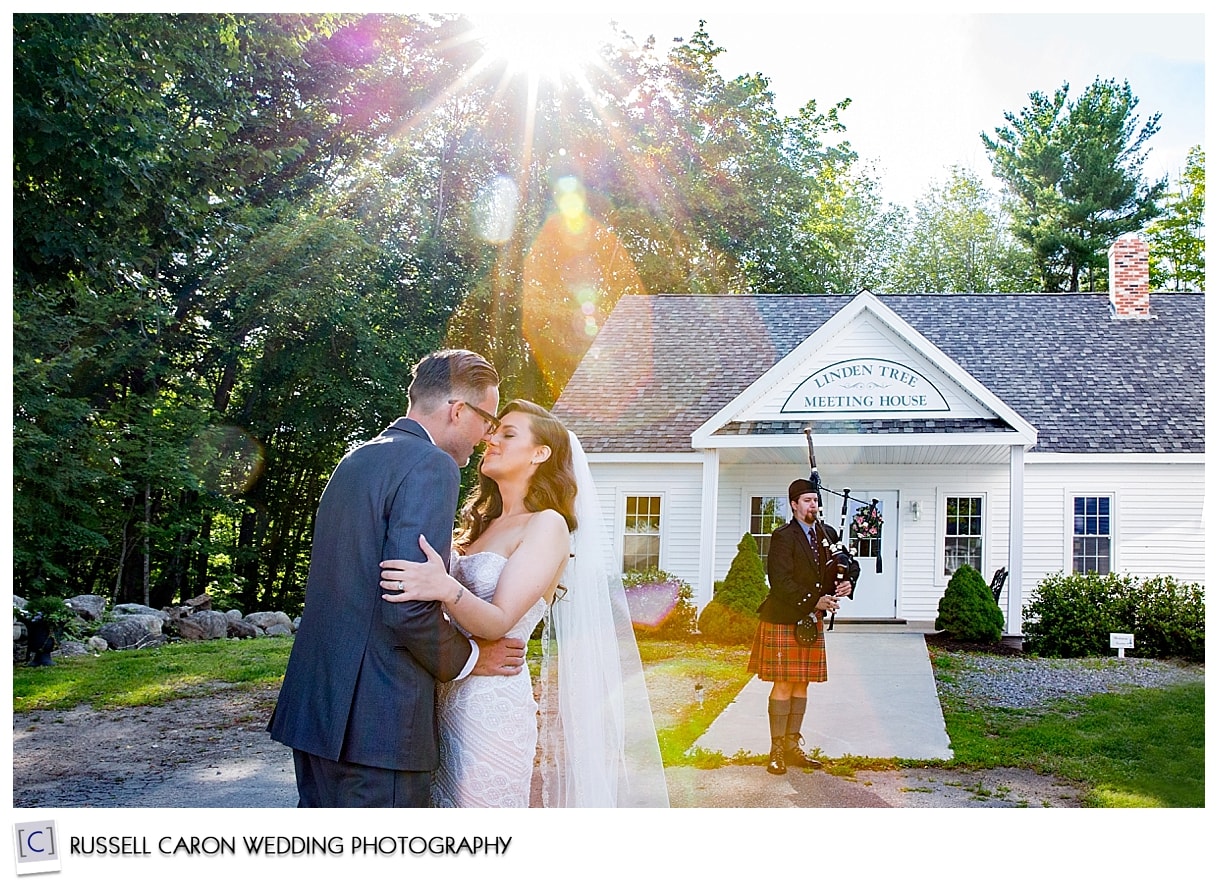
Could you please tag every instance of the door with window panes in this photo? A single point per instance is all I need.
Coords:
(875, 596)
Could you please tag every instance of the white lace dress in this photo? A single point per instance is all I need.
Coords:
(488, 725)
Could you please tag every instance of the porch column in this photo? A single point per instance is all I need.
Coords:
(705, 588)
(1014, 589)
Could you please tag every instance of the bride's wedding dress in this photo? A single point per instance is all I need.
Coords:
(488, 725)
(598, 740)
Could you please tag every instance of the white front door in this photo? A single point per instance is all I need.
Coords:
(875, 596)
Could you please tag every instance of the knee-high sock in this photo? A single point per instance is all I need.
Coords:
(779, 712)
(795, 718)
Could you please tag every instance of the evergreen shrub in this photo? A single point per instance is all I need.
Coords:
(745, 586)
(967, 610)
(731, 616)
(1073, 614)
(720, 623)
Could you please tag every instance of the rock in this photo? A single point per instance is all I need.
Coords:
(153, 624)
(265, 620)
(128, 633)
(72, 647)
(97, 644)
(279, 630)
(242, 630)
(89, 607)
(198, 604)
(203, 625)
(234, 615)
(138, 609)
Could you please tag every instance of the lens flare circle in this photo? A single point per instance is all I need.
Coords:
(495, 210)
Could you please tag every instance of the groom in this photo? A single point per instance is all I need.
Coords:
(357, 705)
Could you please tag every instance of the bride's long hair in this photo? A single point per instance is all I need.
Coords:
(552, 484)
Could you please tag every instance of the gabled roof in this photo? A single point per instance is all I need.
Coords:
(1087, 383)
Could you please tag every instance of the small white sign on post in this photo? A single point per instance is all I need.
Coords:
(1120, 642)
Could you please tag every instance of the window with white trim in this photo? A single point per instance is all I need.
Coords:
(641, 537)
(1093, 534)
(766, 514)
(962, 535)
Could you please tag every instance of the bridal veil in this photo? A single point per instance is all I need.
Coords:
(598, 739)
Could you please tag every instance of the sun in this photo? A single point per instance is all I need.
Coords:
(551, 46)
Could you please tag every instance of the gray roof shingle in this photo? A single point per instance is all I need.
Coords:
(664, 364)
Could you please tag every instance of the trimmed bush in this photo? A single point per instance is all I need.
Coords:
(1072, 616)
(745, 586)
(967, 610)
(722, 624)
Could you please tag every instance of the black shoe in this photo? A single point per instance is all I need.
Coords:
(795, 754)
(777, 764)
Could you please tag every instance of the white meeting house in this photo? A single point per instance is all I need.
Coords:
(1035, 433)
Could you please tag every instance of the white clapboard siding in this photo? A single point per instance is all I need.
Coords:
(1157, 527)
(680, 486)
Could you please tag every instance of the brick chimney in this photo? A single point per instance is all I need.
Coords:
(1129, 278)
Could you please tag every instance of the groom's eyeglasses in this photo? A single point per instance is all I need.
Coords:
(492, 421)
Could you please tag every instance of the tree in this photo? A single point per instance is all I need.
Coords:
(850, 238)
(234, 234)
(957, 241)
(1177, 240)
(1073, 173)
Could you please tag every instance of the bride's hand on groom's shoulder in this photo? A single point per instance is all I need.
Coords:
(405, 580)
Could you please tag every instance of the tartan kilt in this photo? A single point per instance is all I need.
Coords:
(778, 657)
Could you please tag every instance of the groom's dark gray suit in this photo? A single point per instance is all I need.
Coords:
(360, 683)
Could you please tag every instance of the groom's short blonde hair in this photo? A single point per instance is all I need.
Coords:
(450, 373)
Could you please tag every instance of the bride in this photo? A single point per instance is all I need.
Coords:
(532, 547)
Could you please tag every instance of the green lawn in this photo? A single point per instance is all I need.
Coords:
(1142, 748)
(1145, 747)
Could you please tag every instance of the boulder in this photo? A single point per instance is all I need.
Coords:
(138, 609)
(198, 604)
(204, 625)
(153, 624)
(279, 630)
(97, 644)
(89, 607)
(264, 620)
(234, 615)
(242, 630)
(128, 633)
(71, 647)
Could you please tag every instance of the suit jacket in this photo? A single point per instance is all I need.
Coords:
(360, 682)
(799, 575)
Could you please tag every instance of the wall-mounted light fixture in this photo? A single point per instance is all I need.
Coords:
(915, 510)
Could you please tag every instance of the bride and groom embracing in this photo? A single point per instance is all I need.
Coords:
(395, 604)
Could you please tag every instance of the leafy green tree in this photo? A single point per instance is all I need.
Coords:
(1073, 172)
(234, 233)
(957, 241)
(850, 238)
(157, 157)
(1177, 240)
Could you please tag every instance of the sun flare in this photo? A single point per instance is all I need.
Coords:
(548, 46)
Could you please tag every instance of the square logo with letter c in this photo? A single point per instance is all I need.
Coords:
(37, 847)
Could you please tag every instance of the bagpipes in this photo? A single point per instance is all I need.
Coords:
(844, 561)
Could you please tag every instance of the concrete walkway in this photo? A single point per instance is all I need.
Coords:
(879, 701)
